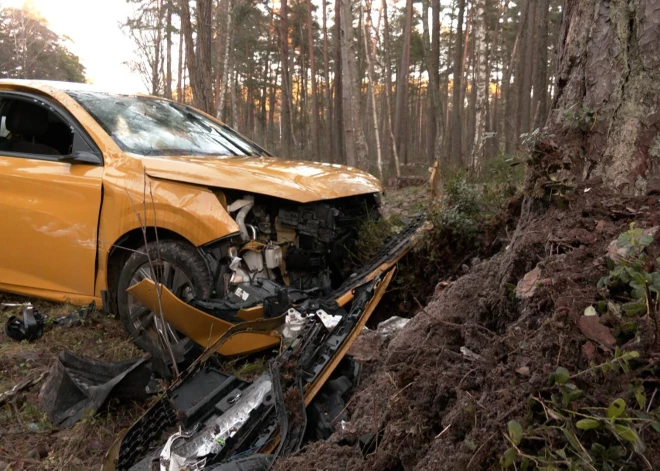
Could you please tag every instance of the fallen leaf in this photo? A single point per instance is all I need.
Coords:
(591, 327)
(527, 285)
(523, 370)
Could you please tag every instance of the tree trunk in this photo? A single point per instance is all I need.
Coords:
(355, 142)
(198, 54)
(227, 62)
(430, 55)
(481, 83)
(606, 111)
(168, 46)
(541, 75)
(179, 76)
(388, 88)
(401, 109)
(370, 72)
(328, 92)
(528, 63)
(339, 92)
(285, 118)
(455, 138)
(316, 126)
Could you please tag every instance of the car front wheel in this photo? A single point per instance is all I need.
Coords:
(179, 267)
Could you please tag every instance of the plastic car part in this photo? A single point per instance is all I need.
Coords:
(31, 327)
(77, 385)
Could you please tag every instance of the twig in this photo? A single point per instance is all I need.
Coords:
(443, 431)
(25, 384)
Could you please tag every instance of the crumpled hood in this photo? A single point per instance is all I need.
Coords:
(299, 181)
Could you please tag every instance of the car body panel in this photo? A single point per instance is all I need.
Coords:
(50, 212)
(298, 181)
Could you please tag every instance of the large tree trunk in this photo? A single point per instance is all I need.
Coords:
(227, 62)
(401, 109)
(606, 113)
(198, 54)
(339, 92)
(355, 142)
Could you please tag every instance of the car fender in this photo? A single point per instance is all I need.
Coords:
(193, 212)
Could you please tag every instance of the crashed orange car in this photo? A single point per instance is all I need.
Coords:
(94, 184)
(194, 236)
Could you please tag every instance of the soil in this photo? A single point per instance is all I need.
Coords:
(436, 405)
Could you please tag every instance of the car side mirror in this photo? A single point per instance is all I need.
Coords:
(85, 157)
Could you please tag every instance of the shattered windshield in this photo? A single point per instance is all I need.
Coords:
(151, 126)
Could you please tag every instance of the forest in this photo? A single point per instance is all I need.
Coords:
(387, 86)
(29, 49)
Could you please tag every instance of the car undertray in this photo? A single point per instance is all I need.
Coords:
(209, 419)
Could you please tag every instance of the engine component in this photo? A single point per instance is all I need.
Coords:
(273, 256)
(304, 260)
(243, 206)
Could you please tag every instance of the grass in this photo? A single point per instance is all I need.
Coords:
(27, 439)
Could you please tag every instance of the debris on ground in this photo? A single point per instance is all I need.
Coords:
(30, 326)
(392, 326)
(77, 386)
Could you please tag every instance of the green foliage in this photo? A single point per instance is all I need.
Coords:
(563, 433)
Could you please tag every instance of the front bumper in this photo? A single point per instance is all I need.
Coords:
(225, 416)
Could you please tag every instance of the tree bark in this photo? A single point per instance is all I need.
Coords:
(287, 129)
(328, 92)
(388, 88)
(481, 83)
(227, 62)
(198, 54)
(541, 74)
(355, 142)
(316, 126)
(168, 47)
(528, 63)
(339, 92)
(401, 109)
(606, 112)
(455, 139)
(430, 55)
(370, 72)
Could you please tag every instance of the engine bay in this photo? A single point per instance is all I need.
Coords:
(307, 247)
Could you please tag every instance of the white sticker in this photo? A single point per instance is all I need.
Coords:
(242, 294)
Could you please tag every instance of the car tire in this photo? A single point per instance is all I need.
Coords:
(181, 261)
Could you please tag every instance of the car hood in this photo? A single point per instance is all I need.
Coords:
(298, 181)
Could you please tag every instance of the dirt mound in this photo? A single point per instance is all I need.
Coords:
(479, 356)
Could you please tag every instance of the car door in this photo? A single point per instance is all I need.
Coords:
(50, 199)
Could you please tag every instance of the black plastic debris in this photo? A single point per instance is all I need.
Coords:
(77, 385)
(77, 316)
(29, 327)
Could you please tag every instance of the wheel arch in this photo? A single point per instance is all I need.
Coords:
(125, 245)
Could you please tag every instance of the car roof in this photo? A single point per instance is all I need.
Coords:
(48, 86)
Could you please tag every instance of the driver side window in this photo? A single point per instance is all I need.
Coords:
(28, 127)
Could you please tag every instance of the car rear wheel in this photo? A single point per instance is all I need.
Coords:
(179, 267)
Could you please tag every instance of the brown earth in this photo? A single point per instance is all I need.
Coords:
(438, 408)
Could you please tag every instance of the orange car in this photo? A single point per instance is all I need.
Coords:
(99, 191)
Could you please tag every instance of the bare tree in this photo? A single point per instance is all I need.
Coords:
(482, 83)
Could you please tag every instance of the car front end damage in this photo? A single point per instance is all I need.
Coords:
(210, 419)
